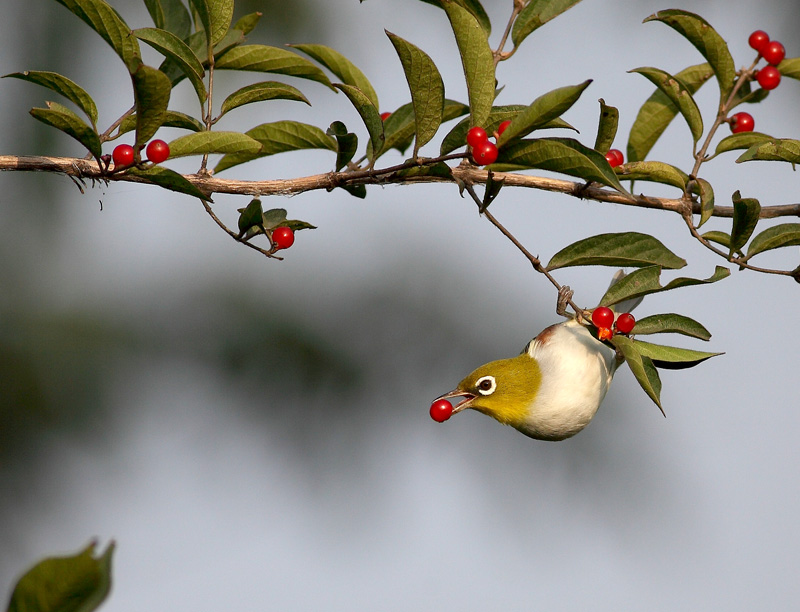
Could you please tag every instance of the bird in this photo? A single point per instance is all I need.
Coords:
(551, 390)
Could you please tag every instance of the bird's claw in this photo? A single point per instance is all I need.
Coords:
(564, 298)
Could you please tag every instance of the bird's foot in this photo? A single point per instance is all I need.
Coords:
(564, 298)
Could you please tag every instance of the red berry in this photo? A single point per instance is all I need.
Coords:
(441, 410)
(603, 317)
(502, 127)
(122, 155)
(615, 158)
(625, 323)
(283, 237)
(385, 116)
(485, 154)
(157, 151)
(742, 122)
(604, 333)
(476, 137)
(768, 77)
(773, 52)
(758, 39)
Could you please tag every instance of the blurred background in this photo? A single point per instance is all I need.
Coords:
(255, 435)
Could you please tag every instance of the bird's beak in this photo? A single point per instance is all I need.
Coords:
(462, 404)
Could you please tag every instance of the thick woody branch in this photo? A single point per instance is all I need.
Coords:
(88, 169)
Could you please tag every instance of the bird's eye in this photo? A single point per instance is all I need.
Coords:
(486, 385)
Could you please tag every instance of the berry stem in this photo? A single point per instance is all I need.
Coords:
(498, 53)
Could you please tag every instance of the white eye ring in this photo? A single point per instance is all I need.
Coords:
(486, 385)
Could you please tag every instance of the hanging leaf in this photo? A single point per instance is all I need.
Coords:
(679, 95)
(542, 110)
(203, 143)
(476, 58)
(707, 41)
(671, 323)
(658, 112)
(706, 200)
(535, 14)
(783, 235)
(607, 128)
(564, 155)
(427, 90)
(671, 357)
(657, 172)
(109, 25)
(627, 249)
(151, 90)
(261, 58)
(342, 67)
(61, 84)
(62, 118)
(745, 217)
(369, 115)
(179, 52)
(250, 216)
(778, 149)
(642, 367)
(646, 281)
(743, 140)
(259, 92)
(168, 179)
(347, 143)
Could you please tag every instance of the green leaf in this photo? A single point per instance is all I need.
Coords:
(369, 115)
(743, 140)
(250, 216)
(679, 95)
(627, 249)
(439, 169)
(278, 137)
(151, 90)
(564, 155)
(790, 67)
(783, 235)
(723, 238)
(77, 583)
(358, 191)
(671, 357)
(169, 179)
(642, 367)
(707, 41)
(476, 58)
(342, 67)
(653, 171)
(110, 26)
(202, 143)
(671, 323)
(658, 111)
(745, 217)
(427, 90)
(296, 225)
(176, 18)
(262, 58)
(536, 14)
(400, 127)
(542, 110)
(247, 23)
(706, 200)
(474, 7)
(216, 17)
(778, 149)
(156, 12)
(259, 92)
(607, 128)
(171, 119)
(273, 218)
(179, 52)
(646, 281)
(347, 143)
(62, 118)
(61, 84)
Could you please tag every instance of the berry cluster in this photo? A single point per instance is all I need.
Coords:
(124, 155)
(773, 52)
(603, 319)
(483, 151)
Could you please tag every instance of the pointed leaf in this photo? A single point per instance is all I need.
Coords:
(61, 84)
(706, 40)
(168, 179)
(679, 95)
(342, 67)
(627, 249)
(250, 216)
(607, 128)
(646, 281)
(369, 115)
(543, 109)
(259, 92)
(657, 172)
(261, 58)
(202, 143)
(427, 89)
(745, 217)
(278, 137)
(62, 118)
(642, 367)
(536, 14)
(78, 583)
(474, 7)
(790, 67)
(216, 16)
(671, 357)
(179, 52)
(743, 140)
(783, 235)
(778, 149)
(151, 90)
(247, 23)
(706, 200)
(296, 225)
(476, 58)
(347, 143)
(658, 112)
(722, 238)
(671, 323)
(564, 155)
(109, 25)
